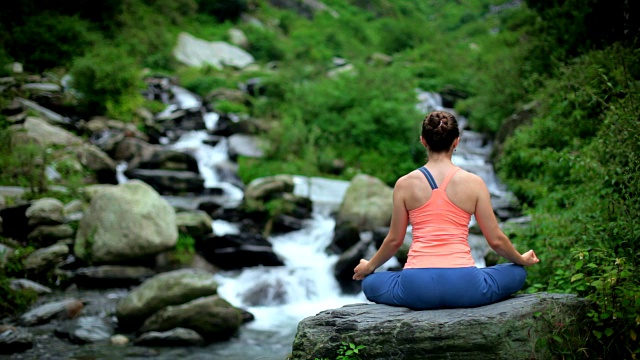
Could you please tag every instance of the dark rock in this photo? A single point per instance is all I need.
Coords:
(505, 330)
(111, 276)
(343, 270)
(174, 337)
(345, 235)
(14, 340)
(238, 251)
(85, 330)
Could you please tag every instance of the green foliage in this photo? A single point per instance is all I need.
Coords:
(222, 10)
(204, 79)
(109, 81)
(23, 162)
(14, 301)
(577, 165)
(185, 248)
(47, 40)
(348, 351)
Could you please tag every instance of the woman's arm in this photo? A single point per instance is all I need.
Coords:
(393, 241)
(497, 240)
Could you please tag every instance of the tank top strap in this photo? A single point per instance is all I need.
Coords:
(430, 179)
(445, 182)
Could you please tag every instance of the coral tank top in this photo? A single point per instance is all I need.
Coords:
(440, 231)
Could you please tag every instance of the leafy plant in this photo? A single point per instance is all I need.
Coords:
(347, 351)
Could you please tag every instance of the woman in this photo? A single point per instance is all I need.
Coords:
(438, 200)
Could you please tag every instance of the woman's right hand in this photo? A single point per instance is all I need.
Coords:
(362, 270)
(529, 258)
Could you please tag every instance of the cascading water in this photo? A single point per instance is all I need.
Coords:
(279, 297)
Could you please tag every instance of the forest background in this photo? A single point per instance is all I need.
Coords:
(555, 82)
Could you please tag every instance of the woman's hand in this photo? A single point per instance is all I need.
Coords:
(529, 258)
(362, 270)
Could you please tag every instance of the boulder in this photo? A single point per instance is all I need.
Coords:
(198, 53)
(212, 317)
(367, 203)
(125, 222)
(505, 330)
(170, 288)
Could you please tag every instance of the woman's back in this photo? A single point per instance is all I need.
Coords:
(440, 228)
(462, 190)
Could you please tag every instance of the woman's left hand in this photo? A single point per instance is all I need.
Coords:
(362, 270)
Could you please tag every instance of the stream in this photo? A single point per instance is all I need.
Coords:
(304, 286)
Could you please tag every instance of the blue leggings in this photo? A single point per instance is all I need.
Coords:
(435, 288)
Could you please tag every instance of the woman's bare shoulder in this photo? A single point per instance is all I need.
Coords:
(468, 178)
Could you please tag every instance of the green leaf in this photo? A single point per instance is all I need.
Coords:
(608, 332)
(577, 277)
(579, 264)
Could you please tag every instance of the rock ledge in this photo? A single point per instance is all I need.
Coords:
(505, 330)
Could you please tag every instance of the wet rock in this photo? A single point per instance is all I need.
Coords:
(119, 339)
(212, 317)
(64, 309)
(345, 235)
(343, 269)
(173, 337)
(170, 288)
(86, 329)
(237, 251)
(169, 181)
(197, 224)
(24, 284)
(14, 340)
(111, 276)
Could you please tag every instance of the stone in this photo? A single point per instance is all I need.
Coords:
(505, 330)
(169, 288)
(125, 222)
(367, 203)
(212, 317)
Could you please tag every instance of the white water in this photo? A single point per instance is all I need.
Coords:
(305, 285)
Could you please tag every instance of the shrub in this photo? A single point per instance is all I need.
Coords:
(48, 40)
(223, 9)
(109, 82)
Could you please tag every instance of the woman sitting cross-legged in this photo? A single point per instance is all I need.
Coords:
(438, 200)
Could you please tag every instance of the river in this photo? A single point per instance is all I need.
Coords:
(305, 283)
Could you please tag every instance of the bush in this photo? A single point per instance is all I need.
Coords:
(48, 40)
(109, 82)
(223, 9)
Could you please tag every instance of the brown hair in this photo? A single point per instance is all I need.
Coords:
(440, 130)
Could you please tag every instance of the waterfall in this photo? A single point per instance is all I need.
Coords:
(305, 285)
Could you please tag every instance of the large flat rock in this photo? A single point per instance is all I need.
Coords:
(509, 329)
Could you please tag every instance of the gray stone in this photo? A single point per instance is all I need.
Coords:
(197, 53)
(198, 224)
(22, 284)
(47, 134)
(49, 234)
(125, 222)
(504, 330)
(85, 330)
(45, 211)
(173, 337)
(14, 340)
(170, 288)
(212, 317)
(45, 259)
(68, 308)
(367, 203)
